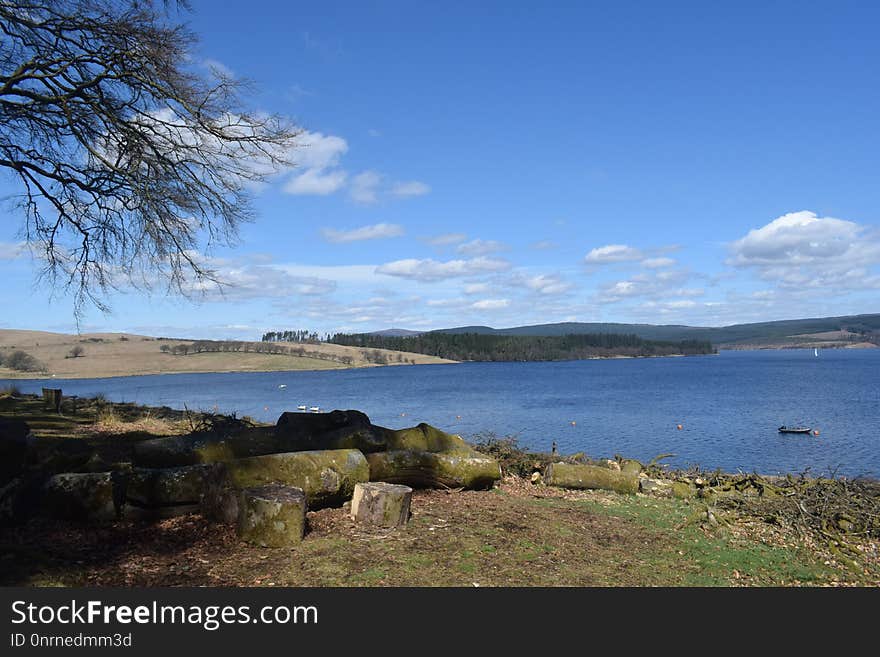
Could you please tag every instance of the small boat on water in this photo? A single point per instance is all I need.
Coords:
(785, 429)
(301, 408)
(315, 409)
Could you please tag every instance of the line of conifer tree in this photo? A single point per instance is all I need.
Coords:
(481, 347)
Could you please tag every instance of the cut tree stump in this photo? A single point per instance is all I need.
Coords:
(382, 504)
(272, 516)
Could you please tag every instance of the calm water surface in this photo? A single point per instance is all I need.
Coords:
(728, 405)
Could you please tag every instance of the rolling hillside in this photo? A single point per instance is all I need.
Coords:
(830, 331)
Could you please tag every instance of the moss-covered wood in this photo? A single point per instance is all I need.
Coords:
(167, 487)
(272, 515)
(95, 497)
(570, 475)
(193, 449)
(424, 438)
(327, 477)
(419, 469)
(381, 504)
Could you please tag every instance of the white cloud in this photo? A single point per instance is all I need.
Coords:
(365, 186)
(446, 239)
(481, 247)
(316, 150)
(410, 188)
(433, 270)
(612, 253)
(647, 285)
(261, 282)
(318, 156)
(657, 263)
(547, 284)
(802, 250)
(373, 232)
(490, 304)
(477, 288)
(443, 303)
(12, 251)
(316, 182)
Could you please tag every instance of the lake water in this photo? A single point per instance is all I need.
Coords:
(729, 405)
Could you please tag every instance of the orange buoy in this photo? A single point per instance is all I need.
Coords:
(816, 432)
(678, 426)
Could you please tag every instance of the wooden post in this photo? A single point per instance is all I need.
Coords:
(52, 397)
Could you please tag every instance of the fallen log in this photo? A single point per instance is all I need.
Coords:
(196, 448)
(423, 438)
(297, 432)
(381, 503)
(568, 475)
(96, 497)
(327, 478)
(166, 492)
(420, 469)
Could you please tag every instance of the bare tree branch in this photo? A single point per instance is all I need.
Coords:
(130, 157)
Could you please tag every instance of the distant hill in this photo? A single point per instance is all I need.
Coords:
(396, 333)
(849, 329)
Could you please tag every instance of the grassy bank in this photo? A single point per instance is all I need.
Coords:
(517, 534)
(99, 355)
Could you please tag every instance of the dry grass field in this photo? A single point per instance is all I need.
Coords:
(123, 354)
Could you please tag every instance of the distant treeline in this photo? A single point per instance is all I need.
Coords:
(303, 335)
(479, 347)
(267, 347)
(233, 346)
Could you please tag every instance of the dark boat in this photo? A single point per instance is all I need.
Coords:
(785, 429)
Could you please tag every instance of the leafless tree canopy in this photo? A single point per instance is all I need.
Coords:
(131, 155)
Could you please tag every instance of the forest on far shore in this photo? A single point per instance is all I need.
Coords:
(479, 347)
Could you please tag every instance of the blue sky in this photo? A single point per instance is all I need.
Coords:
(517, 163)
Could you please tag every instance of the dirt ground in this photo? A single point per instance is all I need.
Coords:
(513, 535)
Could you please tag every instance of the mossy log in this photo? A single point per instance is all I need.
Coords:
(167, 488)
(420, 469)
(568, 475)
(272, 515)
(297, 432)
(193, 449)
(423, 438)
(380, 503)
(327, 477)
(95, 497)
